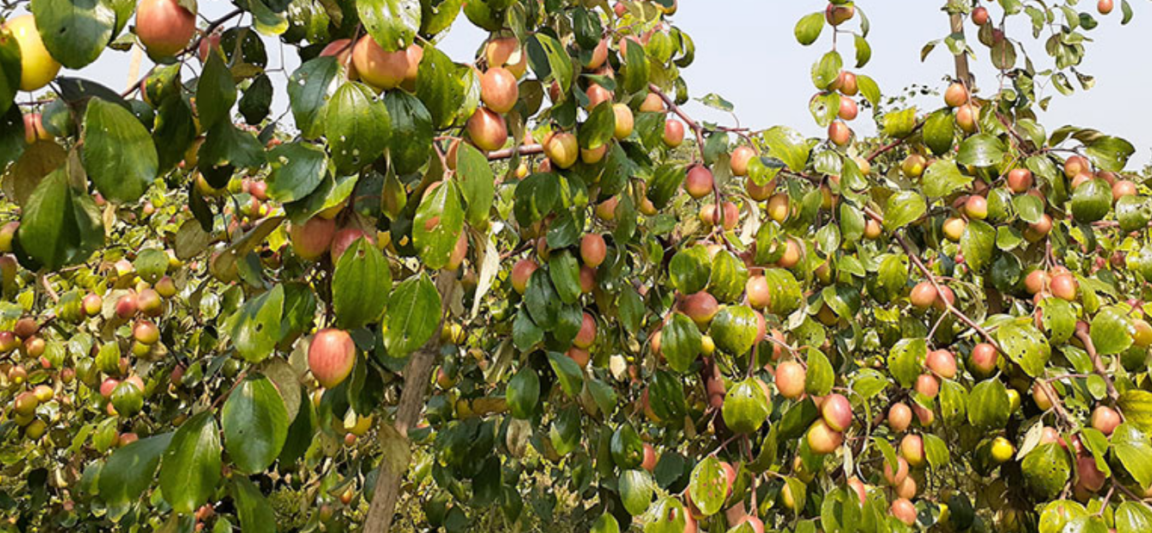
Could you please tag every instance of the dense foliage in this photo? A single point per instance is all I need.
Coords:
(510, 294)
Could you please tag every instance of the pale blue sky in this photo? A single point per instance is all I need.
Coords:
(746, 52)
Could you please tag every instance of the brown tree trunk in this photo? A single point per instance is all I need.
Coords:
(963, 74)
(397, 449)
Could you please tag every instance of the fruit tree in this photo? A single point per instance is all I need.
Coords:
(526, 290)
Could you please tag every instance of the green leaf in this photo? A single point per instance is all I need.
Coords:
(549, 60)
(1025, 346)
(906, 360)
(1110, 153)
(635, 74)
(903, 208)
(863, 51)
(118, 153)
(256, 326)
(981, 150)
(936, 450)
(669, 517)
(868, 88)
(1136, 405)
(297, 170)
(255, 422)
(439, 221)
(708, 486)
(59, 224)
(75, 32)
(599, 128)
(391, 23)
(1134, 450)
(978, 242)
(413, 315)
(939, 132)
(215, 92)
(443, 87)
(569, 373)
(729, 276)
(1111, 331)
(257, 100)
(636, 491)
(523, 393)
(1133, 518)
(256, 515)
(827, 70)
(130, 470)
(564, 271)
(809, 27)
(606, 523)
(820, 376)
(360, 285)
(410, 144)
(734, 329)
(309, 89)
(900, 123)
(477, 183)
(190, 469)
(1046, 469)
(745, 407)
(943, 177)
(1091, 201)
(680, 342)
(988, 405)
(10, 69)
(1058, 318)
(789, 146)
(690, 269)
(357, 127)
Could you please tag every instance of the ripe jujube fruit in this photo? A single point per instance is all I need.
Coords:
(779, 207)
(903, 510)
(1105, 7)
(673, 133)
(848, 109)
(380, 68)
(899, 417)
(164, 27)
(1105, 419)
(837, 412)
(699, 182)
(1064, 286)
(489, 132)
(759, 193)
(912, 450)
(839, 133)
(700, 307)
(652, 104)
(593, 156)
(976, 207)
(1123, 188)
(980, 16)
(984, 358)
(597, 94)
(757, 291)
(837, 15)
(928, 385)
(1019, 180)
(587, 334)
(593, 250)
(145, 332)
(790, 379)
(968, 117)
(625, 122)
(923, 295)
(913, 166)
(822, 439)
(953, 228)
(1076, 165)
(498, 90)
(562, 149)
(521, 273)
(739, 160)
(956, 95)
(343, 240)
(331, 356)
(942, 363)
(728, 215)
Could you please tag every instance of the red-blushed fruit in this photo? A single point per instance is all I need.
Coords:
(942, 363)
(521, 273)
(859, 488)
(606, 210)
(37, 66)
(598, 57)
(944, 299)
(1123, 188)
(127, 306)
(846, 84)
(779, 207)
(164, 27)
(1039, 229)
(343, 240)
(872, 230)
(1105, 7)
(625, 122)
(331, 356)
(378, 67)
(980, 16)
(848, 109)
(310, 240)
(1040, 396)
(150, 302)
(498, 90)
(953, 228)
(907, 488)
(26, 327)
(755, 523)
(984, 359)
(582, 357)
(928, 385)
(792, 253)
(839, 133)
(895, 478)
(459, 252)
(699, 182)
(1105, 419)
(145, 332)
(923, 295)
(757, 291)
(700, 307)
(341, 49)
(1076, 165)
(976, 207)
(587, 334)
(899, 417)
(107, 386)
(760, 193)
(903, 510)
(837, 412)
(652, 104)
(673, 133)
(593, 250)
(822, 439)
(587, 279)
(488, 130)
(1036, 281)
(912, 450)
(1019, 180)
(1064, 286)
(34, 129)
(562, 149)
(790, 379)
(597, 95)
(837, 15)
(166, 287)
(1088, 476)
(738, 162)
(649, 462)
(728, 216)
(956, 95)
(968, 117)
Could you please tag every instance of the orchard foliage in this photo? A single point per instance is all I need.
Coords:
(526, 290)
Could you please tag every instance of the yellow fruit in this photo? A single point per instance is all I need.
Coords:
(38, 67)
